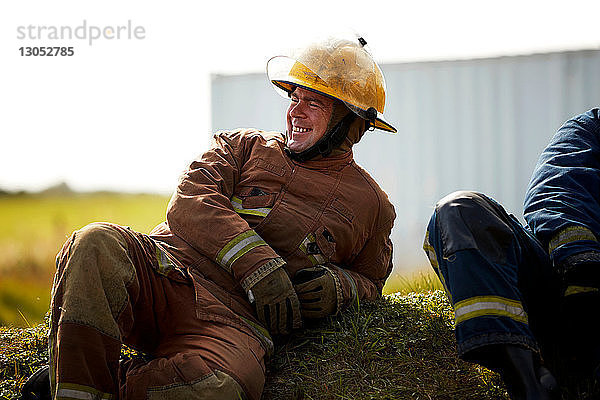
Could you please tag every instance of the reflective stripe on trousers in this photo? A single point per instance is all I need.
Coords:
(491, 268)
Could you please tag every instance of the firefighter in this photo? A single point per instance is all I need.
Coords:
(264, 230)
(525, 295)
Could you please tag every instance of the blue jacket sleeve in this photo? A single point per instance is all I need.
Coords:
(562, 204)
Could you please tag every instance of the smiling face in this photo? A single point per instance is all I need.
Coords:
(307, 118)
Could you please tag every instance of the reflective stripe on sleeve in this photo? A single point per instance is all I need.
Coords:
(570, 234)
(237, 247)
(236, 202)
(75, 391)
(489, 306)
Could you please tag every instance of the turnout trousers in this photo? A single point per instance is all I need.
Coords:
(111, 287)
(496, 274)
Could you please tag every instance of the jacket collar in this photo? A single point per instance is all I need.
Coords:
(335, 163)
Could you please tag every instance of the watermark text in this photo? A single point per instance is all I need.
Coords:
(85, 31)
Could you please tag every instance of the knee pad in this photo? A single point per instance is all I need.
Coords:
(470, 220)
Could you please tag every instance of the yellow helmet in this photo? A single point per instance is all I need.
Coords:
(338, 68)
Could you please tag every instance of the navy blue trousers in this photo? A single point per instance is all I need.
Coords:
(496, 274)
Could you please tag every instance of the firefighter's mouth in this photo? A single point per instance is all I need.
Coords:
(298, 129)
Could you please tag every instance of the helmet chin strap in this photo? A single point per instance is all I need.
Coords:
(327, 143)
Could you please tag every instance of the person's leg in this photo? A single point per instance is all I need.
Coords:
(216, 362)
(198, 358)
(112, 287)
(487, 262)
(580, 309)
(105, 292)
(90, 292)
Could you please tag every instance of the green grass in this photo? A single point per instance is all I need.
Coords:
(34, 227)
(419, 281)
(26, 217)
(23, 351)
(401, 347)
(23, 302)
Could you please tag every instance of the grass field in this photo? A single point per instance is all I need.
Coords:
(401, 347)
(35, 227)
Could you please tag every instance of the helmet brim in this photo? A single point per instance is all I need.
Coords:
(285, 88)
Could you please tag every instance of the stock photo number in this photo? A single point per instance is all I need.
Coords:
(46, 51)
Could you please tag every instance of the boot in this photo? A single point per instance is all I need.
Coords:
(581, 330)
(37, 386)
(519, 367)
(524, 380)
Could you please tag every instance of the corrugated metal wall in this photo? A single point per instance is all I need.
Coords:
(469, 124)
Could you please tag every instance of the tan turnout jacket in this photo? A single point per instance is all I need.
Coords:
(244, 208)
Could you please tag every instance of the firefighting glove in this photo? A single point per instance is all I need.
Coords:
(276, 302)
(316, 291)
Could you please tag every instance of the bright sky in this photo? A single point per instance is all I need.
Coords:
(129, 114)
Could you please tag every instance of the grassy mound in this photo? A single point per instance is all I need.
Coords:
(400, 347)
(23, 350)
